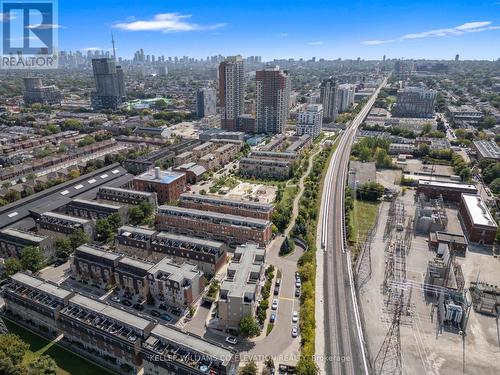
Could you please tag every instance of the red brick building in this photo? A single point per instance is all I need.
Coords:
(167, 185)
(476, 219)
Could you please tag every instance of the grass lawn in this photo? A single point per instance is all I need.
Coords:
(363, 217)
(67, 362)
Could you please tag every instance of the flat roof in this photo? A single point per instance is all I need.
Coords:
(478, 211)
(53, 198)
(189, 239)
(74, 219)
(449, 185)
(98, 252)
(228, 202)
(165, 177)
(145, 193)
(95, 203)
(227, 217)
(22, 234)
(112, 312)
(136, 263)
(488, 149)
(193, 342)
(41, 285)
(131, 229)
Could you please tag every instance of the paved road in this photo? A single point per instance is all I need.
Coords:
(343, 339)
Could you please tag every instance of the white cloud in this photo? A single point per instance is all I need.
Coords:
(316, 43)
(45, 26)
(283, 34)
(166, 23)
(468, 27)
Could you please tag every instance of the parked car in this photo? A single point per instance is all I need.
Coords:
(276, 289)
(278, 281)
(231, 340)
(295, 331)
(126, 302)
(295, 317)
(272, 318)
(297, 292)
(166, 317)
(162, 306)
(115, 299)
(298, 283)
(274, 305)
(155, 313)
(138, 307)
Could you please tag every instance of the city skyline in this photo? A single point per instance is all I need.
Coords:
(347, 31)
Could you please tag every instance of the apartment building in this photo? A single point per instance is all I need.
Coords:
(209, 162)
(203, 149)
(415, 102)
(94, 210)
(273, 155)
(265, 168)
(310, 120)
(476, 219)
(13, 241)
(127, 196)
(194, 172)
(35, 302)
(94, 265)
(166, 184)
(209, 256)
(115, 338)
(134, 241)
(169, 351)
(58, 225)
(234, 230)
(227, 206)
(185, 157)
(109, 335)
(239, 291)
(131, 276)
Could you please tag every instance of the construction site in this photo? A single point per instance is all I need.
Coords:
(429, 300)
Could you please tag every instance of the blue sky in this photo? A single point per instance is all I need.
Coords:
(281, 29)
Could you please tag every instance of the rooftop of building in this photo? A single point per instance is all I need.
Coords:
(25, 235)
(227, 202)
(447, 184)
(233, 219)
(449, 237)
(243, 272)
(168, 340)
(57, 217)
(488, 149)
(192, 167)
(124, 191)
(44, 290)
(97, 252)
(478, 211)
(279, 163)
(89, 202)
(138, 264)
(130, 231)
(166, 269)
(160, 176)
(106, 317)
(179, 240)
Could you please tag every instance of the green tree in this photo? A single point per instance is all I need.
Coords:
(491, 172)
(249, 369)
(43, 365)
(12, 347)
(63, 248)
(78, 238)
(12, 266)
(32, 258)
(136, 215)
(370, 191)
(103, 229)
(248, 327)
(495, 186)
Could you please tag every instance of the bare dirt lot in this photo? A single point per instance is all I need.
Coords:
(426, 350)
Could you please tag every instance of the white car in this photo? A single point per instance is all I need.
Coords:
(295, 317)
(274, 305)
(295, 331)
(115, 299)
(231, 340)
(298, 283)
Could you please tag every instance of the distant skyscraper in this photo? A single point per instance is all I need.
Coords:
(162, 71)
(457, 57)
(231, 91)
(329, 97)
(383, 58)
(110, 85)
(311, 120)
(273, 97)
(35, 92)
(206, 102)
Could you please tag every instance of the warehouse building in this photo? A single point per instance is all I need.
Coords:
(476, 219)
(450, 191)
